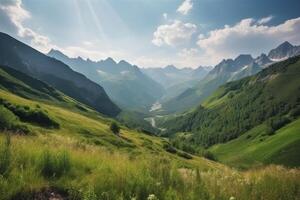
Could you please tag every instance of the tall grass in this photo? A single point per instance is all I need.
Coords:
(93, 173)
(54, 164)
(5, 155)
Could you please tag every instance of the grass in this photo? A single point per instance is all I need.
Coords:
(92, 172)
(256, 147)
(83, 159)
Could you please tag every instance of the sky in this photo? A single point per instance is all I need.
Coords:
(153, 33)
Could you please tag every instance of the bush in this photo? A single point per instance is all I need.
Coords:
(169, 148)
(276, 123)
(208, 155)
(295, 112)
(27, 114)
(184, 155)
(7, 118)
(114, 127)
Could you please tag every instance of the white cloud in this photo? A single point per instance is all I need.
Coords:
(247, 36)
(165, 15)
(185, 7)
(265, 20)
(184, 58)
(188, 53)
(12, 17)
(173, 34)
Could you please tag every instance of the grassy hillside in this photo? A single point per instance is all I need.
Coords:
(95, 164)
(256, 147)
(271, 97)
(54, 150)
(21, 57)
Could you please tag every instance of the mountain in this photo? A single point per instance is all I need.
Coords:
(240, 106)
(247, 70)
(170, 75)
(175, 80)
(124, 83)
(23, 58)
(227, 70)
(284, 51)
(263, 60)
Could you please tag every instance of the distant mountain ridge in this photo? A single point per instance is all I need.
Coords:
(124, 83)
(176, 80)
(227, 70)
(23, 58)
(284, 51)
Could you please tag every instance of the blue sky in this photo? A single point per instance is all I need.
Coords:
(153, 33)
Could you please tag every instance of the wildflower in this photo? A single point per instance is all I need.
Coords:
(152, 197)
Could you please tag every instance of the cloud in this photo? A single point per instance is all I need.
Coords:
(185, 7)
(184, 58)
(188, 53)
(12, 17)
(247, 36)
(265, 20)
(165, 15)
(173, 34)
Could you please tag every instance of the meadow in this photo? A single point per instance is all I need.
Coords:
(74, 170)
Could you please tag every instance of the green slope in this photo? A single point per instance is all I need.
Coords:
(256, 147)
(26, 86)
(270, 99)
(21, 57)
(239, 106)
(76, 149)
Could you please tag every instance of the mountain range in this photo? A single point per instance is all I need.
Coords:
(125, 83)
(175, 80)
(23, 58)
(61, 137)
(227, 70)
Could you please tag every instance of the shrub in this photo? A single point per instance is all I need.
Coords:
(208, 155)
(7, 118)
(295, 112)
(114, 127)
(276, 123)
(184, 155)
(169, 148)
(27, 114)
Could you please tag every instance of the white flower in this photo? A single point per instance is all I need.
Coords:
(152, 197)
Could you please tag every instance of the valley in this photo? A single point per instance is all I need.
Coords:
(147, 100)
(63, 147)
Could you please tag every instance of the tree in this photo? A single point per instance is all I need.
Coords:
(114, 127)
